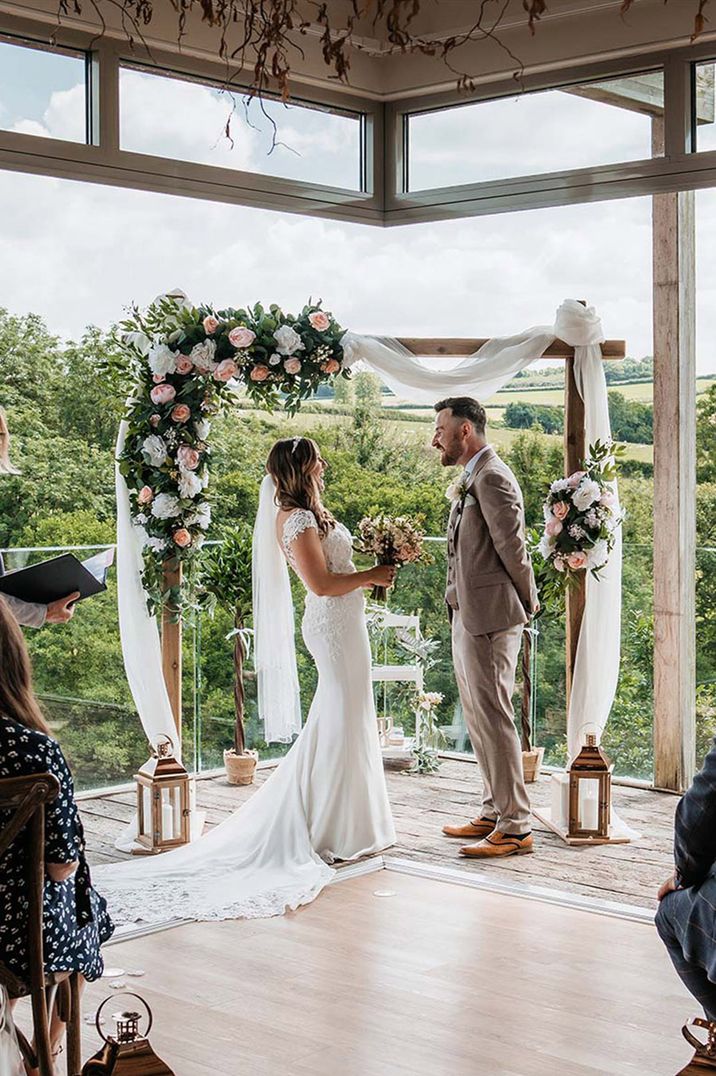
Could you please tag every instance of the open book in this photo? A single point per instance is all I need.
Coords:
(56, 578)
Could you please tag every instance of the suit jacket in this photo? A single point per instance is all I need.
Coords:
(490, 578)
(695, 827)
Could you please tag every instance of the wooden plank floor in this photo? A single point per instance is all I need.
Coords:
(435, 980)
(628, 874)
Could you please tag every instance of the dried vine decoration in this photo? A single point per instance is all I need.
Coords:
(263, 36)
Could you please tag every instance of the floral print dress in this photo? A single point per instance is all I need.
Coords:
(76, 922)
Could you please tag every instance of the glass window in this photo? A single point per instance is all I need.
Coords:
(43, 92)
(577, 127)
(191, 121)
(704, 106)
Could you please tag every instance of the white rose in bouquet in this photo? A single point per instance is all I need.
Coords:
(287, 340)
(162, 360)
(202, 355)
(598, 555)
(165, 506)
(546, 546)
(154, 450)
(203, 428)
(189, 484)
(586, 494)
(157, 545)
(200, 518)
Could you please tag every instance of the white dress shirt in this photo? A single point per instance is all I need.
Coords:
(472, 463)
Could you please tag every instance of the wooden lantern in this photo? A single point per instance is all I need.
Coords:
(163, 802)
(590, 793)
(127, 1052)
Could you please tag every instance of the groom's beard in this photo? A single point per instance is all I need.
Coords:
(450, 454)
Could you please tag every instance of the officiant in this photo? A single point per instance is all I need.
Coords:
(30, 614)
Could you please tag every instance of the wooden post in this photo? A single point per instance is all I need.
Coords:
(171, 647)
(674, 486)
(574, 453)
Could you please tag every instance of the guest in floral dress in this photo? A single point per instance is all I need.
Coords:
(76, 922)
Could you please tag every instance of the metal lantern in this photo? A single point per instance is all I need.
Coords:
(590, 792)
(127, 1052)
(163, 801)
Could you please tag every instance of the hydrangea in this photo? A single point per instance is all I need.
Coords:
(190, 484)
(165, 506)
(287, 340)
(577, 532)
(598, 555)
(203, 428)
(201, 517)
(559, 485)
(162, 360)
(154, 450)
(157, 545)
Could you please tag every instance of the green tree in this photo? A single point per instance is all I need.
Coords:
(706, 437)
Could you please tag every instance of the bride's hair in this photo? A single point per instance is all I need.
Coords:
(292, 463)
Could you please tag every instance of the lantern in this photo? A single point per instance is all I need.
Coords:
(127, 1052)
(590, 789)
(163, 802)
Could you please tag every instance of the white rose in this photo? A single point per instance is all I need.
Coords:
(154, 450)
(274, 360)
(586, 494)
(165, 506)
(162, 360)
(598, 555)
(189, 484)
(287, 340)
(157, 544)
(202, 427)
(200, 518)
(202, 355)
(140, 341)
(546, 546)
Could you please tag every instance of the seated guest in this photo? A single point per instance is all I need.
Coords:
(76, 922)
(31, 614)
(686, 919)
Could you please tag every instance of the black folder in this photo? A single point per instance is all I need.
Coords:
(53, 579)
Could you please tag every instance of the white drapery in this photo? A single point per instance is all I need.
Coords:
(480, 375)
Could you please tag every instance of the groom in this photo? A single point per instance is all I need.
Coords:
(490, 595)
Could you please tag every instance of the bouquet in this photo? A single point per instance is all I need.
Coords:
(582, 515)
(391, 541)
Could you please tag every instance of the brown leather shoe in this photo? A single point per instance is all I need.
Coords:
(480, 827)
(498, 845)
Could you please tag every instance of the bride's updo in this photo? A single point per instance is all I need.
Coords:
(293, 464)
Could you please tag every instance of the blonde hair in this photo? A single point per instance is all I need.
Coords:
(5, 466)
(292, 465)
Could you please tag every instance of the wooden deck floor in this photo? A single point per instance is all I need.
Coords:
(437, 980)
(628, 874)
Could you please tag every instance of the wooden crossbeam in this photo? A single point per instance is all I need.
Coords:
(455, 346)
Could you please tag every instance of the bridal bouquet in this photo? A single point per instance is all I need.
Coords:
(391, 541)
(582, 515)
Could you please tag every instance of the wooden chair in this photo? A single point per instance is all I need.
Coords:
(25, 798)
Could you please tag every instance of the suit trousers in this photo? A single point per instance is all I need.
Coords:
(485, 668)
(686, 922)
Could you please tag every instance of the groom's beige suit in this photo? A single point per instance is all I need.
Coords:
(491, 595)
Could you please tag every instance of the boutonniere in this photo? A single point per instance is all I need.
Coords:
(457, 491)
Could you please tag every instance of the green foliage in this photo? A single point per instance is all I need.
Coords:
(226, 572)
(525, 416)
(706, 437)
(631, 420)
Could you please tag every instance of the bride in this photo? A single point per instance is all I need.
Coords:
(327, 800)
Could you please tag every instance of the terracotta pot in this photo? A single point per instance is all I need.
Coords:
(240, 769)
(532, 763)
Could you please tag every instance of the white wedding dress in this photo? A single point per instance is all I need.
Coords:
(326, 801)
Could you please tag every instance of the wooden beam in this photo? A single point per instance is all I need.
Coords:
(674, 486)
(434, 347)
(171, 648)
(574, 453)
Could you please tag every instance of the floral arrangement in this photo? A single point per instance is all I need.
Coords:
(395, 541)
(185, 363)
(582, 515)
(433, 737)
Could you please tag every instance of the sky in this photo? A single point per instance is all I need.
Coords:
(80, 254)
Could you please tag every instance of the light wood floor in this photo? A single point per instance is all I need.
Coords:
(628, 874)
(435, 980)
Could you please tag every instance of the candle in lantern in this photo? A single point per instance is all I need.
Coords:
(589, 804)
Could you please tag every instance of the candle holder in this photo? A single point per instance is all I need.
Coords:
(163, 801)
(590, 792)
(128, 1051)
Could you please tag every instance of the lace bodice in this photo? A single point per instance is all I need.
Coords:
(329, 616)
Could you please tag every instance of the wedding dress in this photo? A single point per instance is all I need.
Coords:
(326, 801)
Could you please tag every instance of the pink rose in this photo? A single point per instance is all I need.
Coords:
(145, 495)
(154, 420)
(226, 369)
(292, 366)
(577, 560)
(560, 509)
(182, 538)
(608, 499)
(319, 321)
(188, 457)
(184, 365)
(241, 337)
(259, 373)
(553, 528)
(157, 378)
(559, 564)
(331, 367)
(181, 413)
(576, 478)
(163, 394)
(210, 324)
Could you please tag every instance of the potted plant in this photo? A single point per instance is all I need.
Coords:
(227, 578)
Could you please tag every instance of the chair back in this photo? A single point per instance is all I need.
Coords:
(25, 798)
